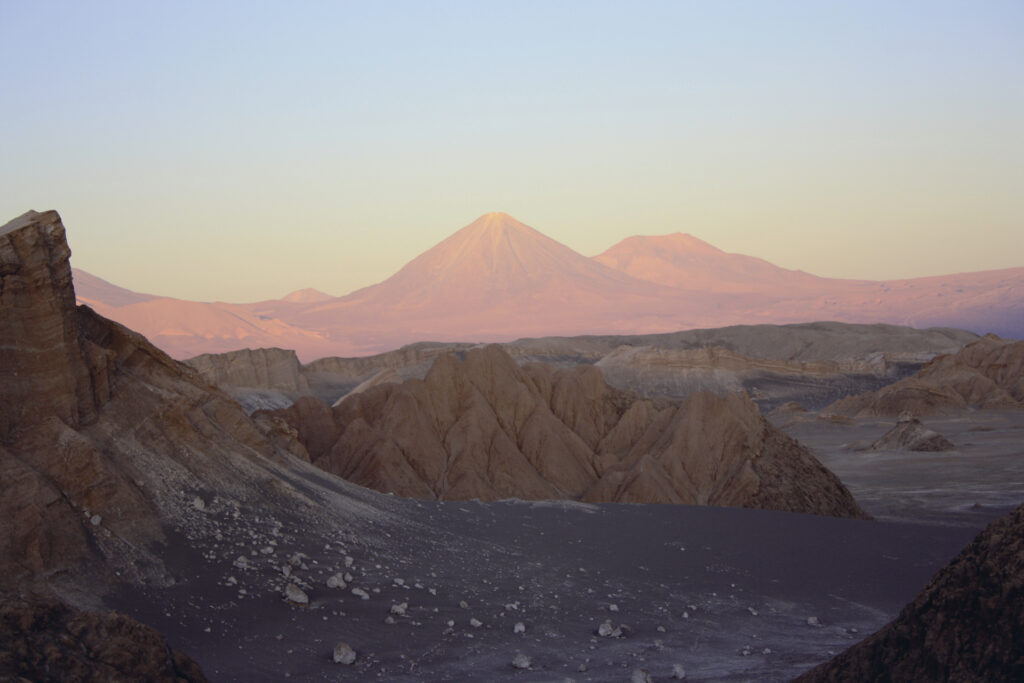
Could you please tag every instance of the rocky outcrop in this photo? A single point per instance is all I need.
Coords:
(486, 428)
(987, 374)
(966, 625)
(101, 434)
(256, 378)
(253, 369)
(44, 640)
(910, 435)
(47, 369)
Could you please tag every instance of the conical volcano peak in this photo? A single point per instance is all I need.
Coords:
(497, 223)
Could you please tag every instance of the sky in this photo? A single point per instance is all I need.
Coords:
(238, 151)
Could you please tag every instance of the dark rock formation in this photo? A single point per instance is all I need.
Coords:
(44, 640)
(486, 428)
(966, 625)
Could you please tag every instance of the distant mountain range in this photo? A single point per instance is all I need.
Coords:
(497, 279)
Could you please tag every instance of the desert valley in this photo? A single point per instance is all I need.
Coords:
(509, 461)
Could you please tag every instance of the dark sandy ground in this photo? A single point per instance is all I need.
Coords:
(724, 594)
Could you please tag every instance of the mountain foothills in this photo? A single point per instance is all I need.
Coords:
(498, 279)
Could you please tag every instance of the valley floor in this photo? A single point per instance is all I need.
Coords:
(726, 594)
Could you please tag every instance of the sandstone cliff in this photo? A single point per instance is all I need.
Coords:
(966, 625)
(486, 428)
(986, 374)
(103, 438)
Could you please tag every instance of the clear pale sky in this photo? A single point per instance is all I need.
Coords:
(241, 150)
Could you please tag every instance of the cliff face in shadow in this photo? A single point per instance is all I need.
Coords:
(486, 428)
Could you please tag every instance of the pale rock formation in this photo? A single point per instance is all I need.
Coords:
(486, 428)
(253, 369)
(344, 654)
(387, 376)
(987, 374)
(966, 625)
(910, 435)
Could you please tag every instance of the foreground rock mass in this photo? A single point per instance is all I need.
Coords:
(986, 374)
(108, 450)
(101, 433)
(966, 625)
(44, 640)
(486, 428)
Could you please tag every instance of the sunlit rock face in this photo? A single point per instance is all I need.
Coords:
(966, 625)
(484, 427)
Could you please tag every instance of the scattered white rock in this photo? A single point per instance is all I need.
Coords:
(344, 654)
(389, 619)
(242, 562)
(267, 550)
(95, 520)
(475, 623)
(399, 582)
(360, 593)
(348, 578)
(753, 612)
(640, 676)
(293, 593)
(521, 661)
(813, 621)
(606, 630)
(766, 651)
(199, 504)
(399, 609)
(678, 672)
(520, 627)
(613, 607)
(463, 604)
(661, 629)
(348, 561)
(336, 581)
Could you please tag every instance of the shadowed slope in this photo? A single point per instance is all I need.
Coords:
(966, 625)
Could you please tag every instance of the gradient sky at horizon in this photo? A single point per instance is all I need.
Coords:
(238, 151)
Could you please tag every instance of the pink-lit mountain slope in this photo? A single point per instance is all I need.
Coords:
(681, 260)
(188, 328)
(498, 279)
(494, 280)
